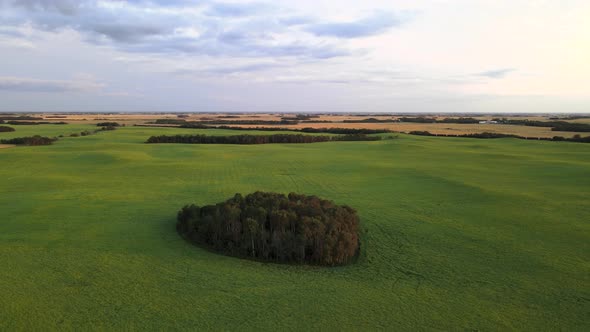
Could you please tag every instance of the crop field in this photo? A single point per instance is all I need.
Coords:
(440, 128)
(458, 234)
(335, 121)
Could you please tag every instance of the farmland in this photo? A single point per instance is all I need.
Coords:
(334, 121)
(458, 234)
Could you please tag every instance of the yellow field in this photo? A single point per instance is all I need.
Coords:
(438, 128)
(435, 128)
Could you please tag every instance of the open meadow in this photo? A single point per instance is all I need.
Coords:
(458, 234)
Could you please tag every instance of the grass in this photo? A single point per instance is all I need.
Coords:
(461, 234)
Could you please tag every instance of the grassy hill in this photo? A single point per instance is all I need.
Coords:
(460, 234)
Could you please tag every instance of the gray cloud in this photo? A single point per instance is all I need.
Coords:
(168, 3)
(496, 73)
(19, 84)
(307, 80)
(369, 26)
(228, 70)
(235, 47)
(128, 33)
(66, 7)
(226, 29)
(237, 9)
(11, 32)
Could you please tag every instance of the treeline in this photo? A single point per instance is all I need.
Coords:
(31, 123)
(257, 139)
(170, 121)
(568, 126)
(238, 139)
(300, 117)
(370, 120)
(343, 131)
(31, 140)
(5, 129)
(474, 135)
(422, 119)
(108, 124)
(458, 120)
(22, 117)
(183, 122)
(575, 138)
(91, 132)
(196, 125)
(274, 227)
(318, 121)
(572, 117)
(248, 122)
(41, 140)
(554, 125)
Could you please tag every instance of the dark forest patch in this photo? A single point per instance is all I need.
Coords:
(258, 139)
(273, 227)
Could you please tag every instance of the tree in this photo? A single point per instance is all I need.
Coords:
(271, 226)
(258, 139)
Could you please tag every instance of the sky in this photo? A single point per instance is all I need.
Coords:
(295, 56)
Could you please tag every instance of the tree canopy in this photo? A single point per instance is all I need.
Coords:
(31, 140)
(274, 227)
(257, 139)
(108, 124)
(575, 138)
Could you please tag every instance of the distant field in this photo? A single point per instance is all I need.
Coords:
(441, 128)
(586, 120)
(435, 128)
(47, 130)
(460, 234)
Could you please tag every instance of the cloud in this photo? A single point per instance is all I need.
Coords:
(177, 28)
(11, 32)
(19, 84)
(375, 24)
(124, 94)
(496, 73)
(229, 70)
(66, 7)
(128, 33)
(296, 20)
(310, 80)
(168, 3)
(16, 44)
(237, 9)
(235, 47)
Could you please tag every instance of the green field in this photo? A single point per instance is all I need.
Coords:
(460, 234)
